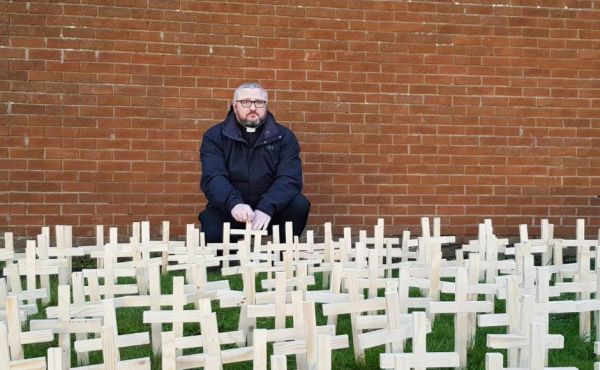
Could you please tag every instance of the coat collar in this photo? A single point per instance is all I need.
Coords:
(269, 133)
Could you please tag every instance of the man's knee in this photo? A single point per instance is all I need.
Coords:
(299, 205)
(211, 226)
(295, 211)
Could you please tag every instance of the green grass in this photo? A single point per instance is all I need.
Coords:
(578, 352)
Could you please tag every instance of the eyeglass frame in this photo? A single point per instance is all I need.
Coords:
(263, 103)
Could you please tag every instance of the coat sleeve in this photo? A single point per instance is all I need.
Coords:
(215, 178)
(288, 179)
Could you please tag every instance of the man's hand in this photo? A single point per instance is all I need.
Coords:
(242, 213)
(261, 220)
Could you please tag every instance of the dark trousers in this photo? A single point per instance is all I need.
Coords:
(296, 211)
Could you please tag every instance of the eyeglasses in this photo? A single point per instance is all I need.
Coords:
(247, 103)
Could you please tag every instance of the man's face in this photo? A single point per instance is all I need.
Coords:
(251, 116)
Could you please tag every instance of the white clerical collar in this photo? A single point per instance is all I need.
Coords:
(250, 129)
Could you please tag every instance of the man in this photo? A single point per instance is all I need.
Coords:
(251, 169)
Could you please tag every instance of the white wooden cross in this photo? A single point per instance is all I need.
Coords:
(247, 322)
(316, 342)
(147, 245)
(429, 244)
(110, 342)
(275, 304)
(194, 253)
(6, 360)
(329, 247)
(279, 305)
(419, 358)
(461, 307)
(64, 250)
(430, 277)
(211, 340)
(579, 242)
(384, 246)
(296, 275)
(537, 343)
(511, 318)
(333, 294)
(355, 307)
(7, 254)
(488, 246)
(584, 283)
(177, 316)
(111, 271)
(31, 267)
(283, 305)
(65, 325)
(277, 246)
(14, 288)
(537, 308)
(248, 235)
(17, 338)
(398, 328)
(43, 244)
(527, 246)
(173, 345)
(181, 296)
(227, 245)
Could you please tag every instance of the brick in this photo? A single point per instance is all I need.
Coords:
(387, 98)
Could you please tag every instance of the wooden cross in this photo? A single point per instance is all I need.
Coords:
(329, 250)
(65, 325)
(332, 295)
(461, 307)
(527, 247)
(31, 267)
(110, 342)
(311, 340)
(247, 236)
(185, 258)
(510, 318)
(7, 254)
(17, 338)
(6, 361)
(419, 358)
(537, 343)
(181, 296)
(398, 328)
(173, 345)
(579, 242)
(64, 250)
(251, 297)
(3, 294)
(429, 244)
(583, 285)
(537, 308)
(14, 288)
(177, 316)
(355, 307)
(281, 308)
(381, 244)
(110, 273)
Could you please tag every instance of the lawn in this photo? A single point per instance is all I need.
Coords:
(578, 352)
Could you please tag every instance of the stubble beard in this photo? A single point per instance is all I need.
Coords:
(252, 123)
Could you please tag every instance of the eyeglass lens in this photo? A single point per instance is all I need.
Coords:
(247, 103)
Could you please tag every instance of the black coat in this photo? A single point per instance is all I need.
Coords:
(265, 176)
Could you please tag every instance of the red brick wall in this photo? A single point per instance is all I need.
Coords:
(464, 110)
